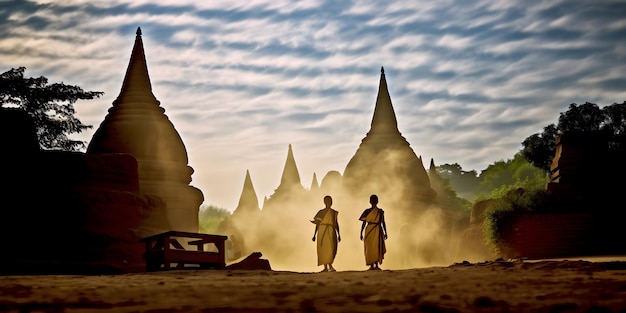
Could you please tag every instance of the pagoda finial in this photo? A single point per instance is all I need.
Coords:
(384, 119)
(290, 172)
(136, 86)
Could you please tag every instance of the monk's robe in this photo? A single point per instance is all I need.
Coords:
(374, 238)
(326, 219)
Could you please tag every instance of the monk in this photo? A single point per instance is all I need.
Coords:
(375, 234)
(327, 227)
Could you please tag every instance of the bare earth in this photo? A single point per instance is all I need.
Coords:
(516, 286)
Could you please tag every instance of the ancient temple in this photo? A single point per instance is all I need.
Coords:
(248, 201)
(242, 226)
(290, 185)
(385, 163)
(284, 213)
(136, 124)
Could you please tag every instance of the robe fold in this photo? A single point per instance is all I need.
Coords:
(326, 219)
(374, 238)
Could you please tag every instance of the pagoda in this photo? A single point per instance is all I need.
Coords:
(385, 164)
(136, 124)
(290, 185)
(248, 201)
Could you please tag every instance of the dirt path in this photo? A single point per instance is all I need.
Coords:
(545, 286)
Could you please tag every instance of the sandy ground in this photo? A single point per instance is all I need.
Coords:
(597, 285)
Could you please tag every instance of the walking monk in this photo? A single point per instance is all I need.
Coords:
(375, 234)
(327, 229)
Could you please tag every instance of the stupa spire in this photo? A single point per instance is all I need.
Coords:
(290, 172)
(248, 201)
(384, 120)
(136, 86)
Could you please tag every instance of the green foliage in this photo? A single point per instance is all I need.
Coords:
(502, 214)
(502, 176)
(498, 220)
(209, 218)
(50, 105)
(493, 182)
(514, 187)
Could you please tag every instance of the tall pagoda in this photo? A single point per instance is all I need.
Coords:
(385, 163)
(137, 124)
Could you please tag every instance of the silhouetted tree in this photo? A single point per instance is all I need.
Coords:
(615, 124)
(50, 105)
(581, 118)
(539, 149)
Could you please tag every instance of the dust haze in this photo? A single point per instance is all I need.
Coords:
(422, 232)
(423, 228)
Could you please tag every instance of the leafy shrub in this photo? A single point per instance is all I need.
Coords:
(502, 214)
(209, 217)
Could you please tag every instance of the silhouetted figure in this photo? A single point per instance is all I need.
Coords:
(327, 229)
(375, 234)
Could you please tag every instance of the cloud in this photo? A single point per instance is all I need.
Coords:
(241, 80)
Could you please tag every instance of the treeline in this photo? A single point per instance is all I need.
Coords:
(530, 167)
(495, 180)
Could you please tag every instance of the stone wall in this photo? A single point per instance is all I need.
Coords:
(537, 236)
(558, 235)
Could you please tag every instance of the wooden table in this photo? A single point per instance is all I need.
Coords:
(165, 249)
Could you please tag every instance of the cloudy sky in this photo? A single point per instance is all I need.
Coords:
(241, 80)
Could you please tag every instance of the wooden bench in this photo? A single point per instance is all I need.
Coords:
(165, 249)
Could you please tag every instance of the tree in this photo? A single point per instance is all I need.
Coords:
(539, 149)
(449, 194)
(465, 183)
(51, 107)
(503, 176)
(210, 216)
(615, 124)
